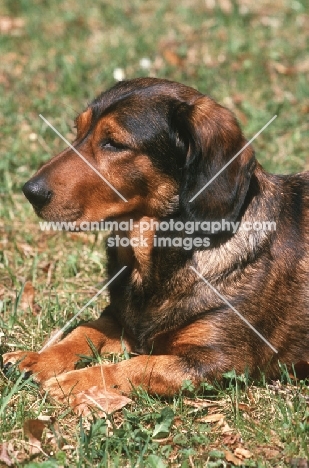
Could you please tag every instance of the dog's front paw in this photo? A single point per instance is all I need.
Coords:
(26, 360)
(66, 386)
(55, 360)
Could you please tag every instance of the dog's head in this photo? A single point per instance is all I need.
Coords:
(147, 147)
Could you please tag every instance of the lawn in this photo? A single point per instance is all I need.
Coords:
(56, 56)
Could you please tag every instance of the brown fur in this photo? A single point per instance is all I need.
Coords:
(158, 143)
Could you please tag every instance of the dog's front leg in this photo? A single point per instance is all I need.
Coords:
(159, 375)
(104, 334)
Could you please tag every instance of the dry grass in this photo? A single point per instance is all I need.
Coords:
(55, 56)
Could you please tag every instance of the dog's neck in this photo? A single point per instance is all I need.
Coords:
(137, 255)
(246, 246)
(232, 250)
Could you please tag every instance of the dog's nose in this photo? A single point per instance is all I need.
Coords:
(37, 192)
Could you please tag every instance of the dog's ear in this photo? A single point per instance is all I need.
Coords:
(213, 137)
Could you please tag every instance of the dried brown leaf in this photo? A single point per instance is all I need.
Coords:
(210, 418)
(244, 407)
(34, 430)
(283, 69)
(54, 436)
(224, 427)
(224, 5)
(4, 456)
(242, 453)
(27, 297)
(231, 439)
(303, 66)
(201, 403)
(250, 396)
(172, 58)
(269, 453)
(230, 457)
(45, 267)
(9, 25)
(26, 249)
(299, 463)
(2, 291)
(48, 268)
(99, 399)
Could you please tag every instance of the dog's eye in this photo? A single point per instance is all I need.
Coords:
(111, 145)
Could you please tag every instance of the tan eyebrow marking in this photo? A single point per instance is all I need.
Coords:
(83, 122)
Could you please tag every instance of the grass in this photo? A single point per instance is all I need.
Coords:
(55, 57)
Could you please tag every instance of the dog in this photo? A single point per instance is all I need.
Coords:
(192, 310)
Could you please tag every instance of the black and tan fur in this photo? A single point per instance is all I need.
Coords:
(159, 142)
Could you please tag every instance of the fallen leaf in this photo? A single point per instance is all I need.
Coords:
(26, 249)
(303, 66)
(250, 396)
(2, 291)
(299, 463)
(224, 427)
(211, 418)
(230, 457)
(96, 397)
(231, 439)
(244, 407)
(172, 58)
(238, 98)
(53, 434)
(224, 5)
(305, 110)
(4, 456)
(33, 430)
(27, 297)
(45, 267)
(242, 453)
(10, 25)
(269, 453)
(283, 69)
(201, 403)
